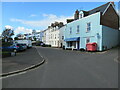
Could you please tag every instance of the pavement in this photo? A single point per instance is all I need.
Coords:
(69, 69)
(23, 60)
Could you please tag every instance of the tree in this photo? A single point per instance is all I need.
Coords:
(16, 38)
(7, 34)
(34, 38)
(34, 32)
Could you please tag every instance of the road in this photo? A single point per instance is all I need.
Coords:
(69, 69)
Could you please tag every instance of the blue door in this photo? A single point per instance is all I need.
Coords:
(78, 45)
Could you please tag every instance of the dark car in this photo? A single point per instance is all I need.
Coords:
(45, 45)
(21, 47)
(14, 47)
(24, 46)
(42, 44)
(11, 48)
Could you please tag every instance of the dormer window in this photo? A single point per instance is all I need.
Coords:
(81, 15)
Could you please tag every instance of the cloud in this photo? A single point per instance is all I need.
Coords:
(32, 15)
(50, 16)
(22, 30)
(9, 27)
(45, 22)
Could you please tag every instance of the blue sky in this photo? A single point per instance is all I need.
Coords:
(25, 16)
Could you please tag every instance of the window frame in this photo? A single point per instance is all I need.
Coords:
(88, 27)
(78, 29)
(81, 16)
(62, 37)
(70, 30)
(55, 36)
(87, 39)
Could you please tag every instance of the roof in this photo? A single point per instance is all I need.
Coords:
(101, 8)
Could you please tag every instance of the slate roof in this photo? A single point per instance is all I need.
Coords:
(98, 9)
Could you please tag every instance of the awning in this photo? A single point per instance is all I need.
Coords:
(73, 39)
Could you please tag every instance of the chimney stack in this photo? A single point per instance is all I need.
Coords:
(76, 15)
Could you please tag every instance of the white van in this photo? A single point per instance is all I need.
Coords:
(27, 42)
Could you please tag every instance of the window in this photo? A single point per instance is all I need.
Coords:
(88, 27)
(74, 44)
(78, 28)
(51, 36)
(67, 44)
(58, 43)
(55, 36)
(62, 37)
(81, 15)
(70, 30)
(87, 40)
(70, 44)
(55, 42)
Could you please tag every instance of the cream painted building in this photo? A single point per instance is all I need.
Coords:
(54, 37)
(45, 37)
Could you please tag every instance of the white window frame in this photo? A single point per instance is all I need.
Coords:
(70, 30)
(88, 28)
(62, 37)
(78, 28)
(81, 15)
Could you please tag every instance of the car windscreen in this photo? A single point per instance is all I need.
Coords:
(19, 45)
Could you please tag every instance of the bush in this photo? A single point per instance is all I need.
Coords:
(6, 44)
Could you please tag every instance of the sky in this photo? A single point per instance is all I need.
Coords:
(23, 17)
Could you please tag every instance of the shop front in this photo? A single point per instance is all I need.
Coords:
(72, 43)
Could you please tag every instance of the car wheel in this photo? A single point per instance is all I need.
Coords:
(15, 50)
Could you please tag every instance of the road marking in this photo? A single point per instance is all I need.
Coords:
(116, 60)
(41, 54)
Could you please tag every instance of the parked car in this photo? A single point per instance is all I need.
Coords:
(27, 42)
(11, 48)
(21, 47)
(14, 47)
(38, 44)
(45, 45)
(42, 44)
(24, 46)
(8, 49)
